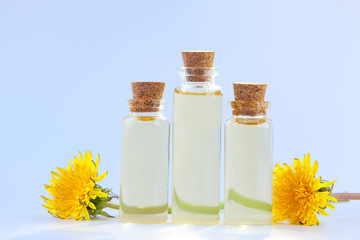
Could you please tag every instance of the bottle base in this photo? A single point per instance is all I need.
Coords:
(195, 219)
(144, 218)
(195, 222)
(247, 222)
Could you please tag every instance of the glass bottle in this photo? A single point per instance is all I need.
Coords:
(144, 157)
(196, 143)
(248, 158)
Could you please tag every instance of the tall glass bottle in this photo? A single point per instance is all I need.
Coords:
(144, 157)
(196, 142)
(248, 158)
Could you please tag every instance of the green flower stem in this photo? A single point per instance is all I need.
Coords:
(105, 214)
(110, 205)
(248, 202)
(143, 210)
(221, 205)
(116, 206)
(209, 210)
(241, 200)
(195, 208)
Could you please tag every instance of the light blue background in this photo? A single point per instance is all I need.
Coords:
(66, 68)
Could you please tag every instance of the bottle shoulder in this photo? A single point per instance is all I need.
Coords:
(201, 90)
(135, 119)
(198, 89)
(243, 122)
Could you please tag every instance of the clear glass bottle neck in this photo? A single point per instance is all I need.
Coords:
(190, 84)
(147, 114)
(198, 77)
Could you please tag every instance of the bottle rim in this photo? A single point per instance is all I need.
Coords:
(198, 71)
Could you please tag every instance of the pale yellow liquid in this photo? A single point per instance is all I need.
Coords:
(248, 169)
(196, 157)
(144, 170)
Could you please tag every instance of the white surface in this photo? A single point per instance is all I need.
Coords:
(343, 224)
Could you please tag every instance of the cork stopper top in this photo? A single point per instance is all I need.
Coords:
(147, 90)
(146, 96)
(249, 91)
(198, 58)
(249, 99)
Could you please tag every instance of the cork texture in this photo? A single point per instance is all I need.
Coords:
(249, 99)
(249, 91)
(198, 58)
(146, 96)
(147, 90)
(197, 61)
(249, 108)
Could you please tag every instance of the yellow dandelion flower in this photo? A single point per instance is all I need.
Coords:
(298, 195)
(73, 189)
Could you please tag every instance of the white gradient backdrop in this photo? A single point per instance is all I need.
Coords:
(66, 68)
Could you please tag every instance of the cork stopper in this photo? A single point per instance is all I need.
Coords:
(198, 58)
(147, 90)
(146, 96)
(249, 99)
(249, 91)
(198, 63)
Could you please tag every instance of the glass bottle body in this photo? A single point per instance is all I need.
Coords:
(196, 153)
(144, 168)
(248, 170)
